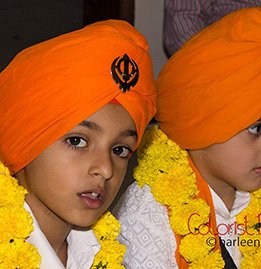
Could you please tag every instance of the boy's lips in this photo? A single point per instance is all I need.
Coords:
(258, 170)
(93, 199)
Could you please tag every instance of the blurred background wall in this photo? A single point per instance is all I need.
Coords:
(149, 21)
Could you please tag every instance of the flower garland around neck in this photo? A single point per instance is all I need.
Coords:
(165, 167)
(111, 255)
(16, 224)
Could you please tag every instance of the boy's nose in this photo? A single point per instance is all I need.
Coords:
(101, 166)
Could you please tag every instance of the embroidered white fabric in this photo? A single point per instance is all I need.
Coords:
(82, 248)
(146, 231)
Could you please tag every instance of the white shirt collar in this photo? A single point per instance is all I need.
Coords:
(82, 248)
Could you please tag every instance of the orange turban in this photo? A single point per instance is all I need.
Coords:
(210, 89)
(51, 87)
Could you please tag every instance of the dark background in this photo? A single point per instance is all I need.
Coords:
(26, 22)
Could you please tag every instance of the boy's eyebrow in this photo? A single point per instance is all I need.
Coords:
(130, 132)
(94, 126)
(90, 125)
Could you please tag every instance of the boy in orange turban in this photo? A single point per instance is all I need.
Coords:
(73, 109)
(198, 199)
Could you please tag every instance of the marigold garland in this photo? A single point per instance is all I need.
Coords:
(111, 255)
(16, 224)
(250, 217)
(165, 167)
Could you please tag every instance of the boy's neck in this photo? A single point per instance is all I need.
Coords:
(54, 228)
(226, 192)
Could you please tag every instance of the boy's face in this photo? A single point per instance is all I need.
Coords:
(235, 164)
(77, 177)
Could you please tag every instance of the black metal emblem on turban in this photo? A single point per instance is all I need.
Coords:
(125, 72)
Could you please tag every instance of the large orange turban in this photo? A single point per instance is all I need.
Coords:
(210, 89)
(51, 87)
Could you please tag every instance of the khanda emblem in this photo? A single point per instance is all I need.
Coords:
(125, 72)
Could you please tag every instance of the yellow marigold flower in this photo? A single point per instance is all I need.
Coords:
(157, 158)
(249, 241)
(153, 165)
(110, 255)
(16, 222)
(212, 261)
(188, 218)
(257, 194)
(148, 137)
(19, 254)
(107, 227)
(251, 261)
(175, 190)
(4, 170)
(194, 247)
(251, 215)
(10, 191)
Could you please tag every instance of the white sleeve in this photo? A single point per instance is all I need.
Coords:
(145, 231)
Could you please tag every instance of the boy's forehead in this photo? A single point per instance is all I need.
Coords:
(111, 117)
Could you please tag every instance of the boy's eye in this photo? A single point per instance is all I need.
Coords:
(255, 129)
(76, 142)
(121, 151)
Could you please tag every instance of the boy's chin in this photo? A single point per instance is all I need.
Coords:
(81, 228)
(250, 188)
(84, 223)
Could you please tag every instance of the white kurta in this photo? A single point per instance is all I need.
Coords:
(146, 231)
(82, 248)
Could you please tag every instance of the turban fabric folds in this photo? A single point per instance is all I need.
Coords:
(51, 87)
(210, 89)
